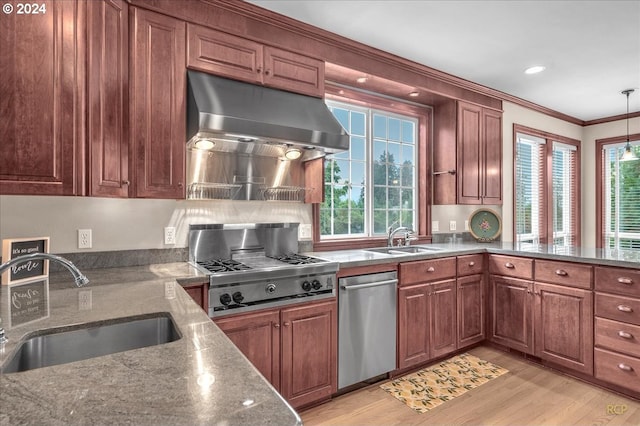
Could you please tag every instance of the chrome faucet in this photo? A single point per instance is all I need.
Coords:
(79, 277)
(409, 235)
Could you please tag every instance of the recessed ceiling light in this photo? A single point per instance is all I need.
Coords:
(414, 94)
(361, 80)
(535, 69)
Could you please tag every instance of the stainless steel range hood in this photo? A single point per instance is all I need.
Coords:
(249, 119)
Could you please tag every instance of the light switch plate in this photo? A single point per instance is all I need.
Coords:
(304, 231)
(452, 225)
(435, 226)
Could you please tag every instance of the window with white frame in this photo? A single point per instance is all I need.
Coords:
(546, 196)
(621, 198)
(373, 185)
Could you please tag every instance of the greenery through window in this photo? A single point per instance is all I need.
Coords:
(621, 198)
(373, 185)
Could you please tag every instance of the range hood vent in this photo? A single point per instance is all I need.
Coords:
(249, 119)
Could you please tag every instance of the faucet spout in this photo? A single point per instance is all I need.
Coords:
(79, 277)
(392, 232)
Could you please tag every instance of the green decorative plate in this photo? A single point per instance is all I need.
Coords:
(485, 225)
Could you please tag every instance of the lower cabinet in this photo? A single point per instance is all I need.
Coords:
(560, 318)
(295, 348)
(426, 322)
(471, 308)
(199, 293)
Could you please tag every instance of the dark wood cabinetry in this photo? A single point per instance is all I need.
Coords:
(242, 59)
(108, 98)
(294, 348)
(43, 100)
(512, 313)
(471, 290)
(158, 87)
(199, 293)
(427, 311)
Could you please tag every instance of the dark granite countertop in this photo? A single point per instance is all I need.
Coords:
(621, 258)
(201, 378)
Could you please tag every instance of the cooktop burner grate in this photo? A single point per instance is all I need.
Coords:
(223, 265)
(296, 259)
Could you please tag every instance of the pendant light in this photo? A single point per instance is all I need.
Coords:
(628, 153)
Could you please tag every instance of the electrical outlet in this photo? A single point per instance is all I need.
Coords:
(452, 225)
(84, 239)
(85, 300)
(170, 290)
(169, 235)
(435, 226)
(466, 225)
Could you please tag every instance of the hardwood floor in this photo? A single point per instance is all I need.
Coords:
(527, 395)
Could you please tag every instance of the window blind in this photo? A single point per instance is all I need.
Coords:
(565, 190)
(530, 189)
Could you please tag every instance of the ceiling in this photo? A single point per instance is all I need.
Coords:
(591, 49)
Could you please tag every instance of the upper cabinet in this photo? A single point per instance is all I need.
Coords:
(42, 100)
(157, 75)
(472, 173)
(107, 98)
(226, 55)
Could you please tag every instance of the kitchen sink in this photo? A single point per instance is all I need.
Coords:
(404, 250)
(92, 340)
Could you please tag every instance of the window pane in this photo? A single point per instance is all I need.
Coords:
(357, 124)
(357, 148)
(408, 154)
(408, 132)
(379, 126)
(357, 173)
(394, 152)
(394, 129)
(379, 197)
(342, 115)
(379, 150)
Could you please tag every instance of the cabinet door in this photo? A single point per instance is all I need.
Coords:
(257, 336)
(295, 73)
(309, 353)
(564, 326)
(492, 154)
(470, 158)
(42, 100)
(413, 325)
(107, 98)
(158, 104)
(471, 301)
(442, 318)
(224, 54)
(512, 313)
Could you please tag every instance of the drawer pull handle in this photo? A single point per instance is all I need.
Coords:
(625, 280)
(623, 308)
(509, 265)
(625, 367)
(561, 272)
(276, 325)
(472, 263)
(625, 335)
(287, 324)
(431, 269)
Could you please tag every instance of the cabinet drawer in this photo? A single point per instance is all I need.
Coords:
(427, 270)
(471, 264)
(619, 308)
(569, 274)
(619, 369)
(618, 336)
(511, 266)
(618, 280)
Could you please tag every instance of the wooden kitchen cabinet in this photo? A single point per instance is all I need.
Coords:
(511, 322)
(199, 293)
(295, 348)
(43, 100)
(471, 310)
(108, 98)
(158, 91)
(477, 159)
(235, 57)
(427, 311)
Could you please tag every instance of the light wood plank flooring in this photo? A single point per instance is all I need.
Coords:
(527, 395)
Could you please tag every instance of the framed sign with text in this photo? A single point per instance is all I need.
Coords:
(30, 269)
(26, 302)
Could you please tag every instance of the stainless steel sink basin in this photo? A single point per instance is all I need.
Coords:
(404, 250)
(92, 340)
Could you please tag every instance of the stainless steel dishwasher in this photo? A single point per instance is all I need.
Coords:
(366, 327)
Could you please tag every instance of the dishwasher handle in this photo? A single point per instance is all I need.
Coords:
(373, 284)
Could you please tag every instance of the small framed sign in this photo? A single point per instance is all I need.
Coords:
(27, 301)
(29, 270)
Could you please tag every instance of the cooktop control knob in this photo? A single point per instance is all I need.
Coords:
(316, 285)
(271, 288)
(238, 297)
(306, 285)
(225, 299)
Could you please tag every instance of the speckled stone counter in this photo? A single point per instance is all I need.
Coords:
(202, 378)
(622, 258)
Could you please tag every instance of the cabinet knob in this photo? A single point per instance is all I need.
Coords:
(472, 263)
(287, 324)
(259, 70)
(126, 182)
(625, 335)
(509, 265)
(624, 308)
(179, 184)
(276, 325)
(625, 280)
(529, 291)
(561, 272)
(625, 367)
(267, 71)
(431, 269)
